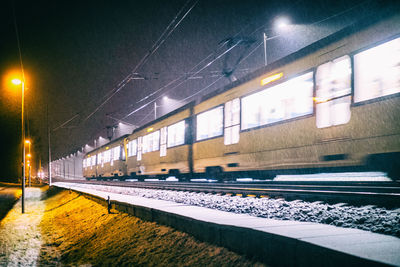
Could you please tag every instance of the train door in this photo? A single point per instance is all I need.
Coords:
(231, 126)
(333, 100)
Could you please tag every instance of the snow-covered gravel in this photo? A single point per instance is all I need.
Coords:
(369, 218)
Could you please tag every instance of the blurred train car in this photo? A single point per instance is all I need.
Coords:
(163, 147)
(331, 106)
(107, 161)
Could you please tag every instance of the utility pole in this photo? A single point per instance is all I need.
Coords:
(49, 145)
(155, 110)
(265, 49)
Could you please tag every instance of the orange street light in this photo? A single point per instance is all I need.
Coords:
(16, 81)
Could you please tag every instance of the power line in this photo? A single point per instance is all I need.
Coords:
(154, 48)
(240, 60)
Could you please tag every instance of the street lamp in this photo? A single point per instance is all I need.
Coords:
(18, 82)
(282, 24)
(167, 102)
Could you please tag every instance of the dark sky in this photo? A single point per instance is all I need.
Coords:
(75, 52)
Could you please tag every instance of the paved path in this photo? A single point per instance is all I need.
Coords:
(20, 237)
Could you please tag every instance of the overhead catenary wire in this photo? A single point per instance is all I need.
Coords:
(207, 65)
(244, 58)
(170, 28)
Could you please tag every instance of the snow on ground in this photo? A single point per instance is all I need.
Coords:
(369, 218)
(20, 238)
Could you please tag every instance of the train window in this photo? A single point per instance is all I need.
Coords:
(92, 161)
(176, 134)
(139, 148)
(100, 159)
(333, 95)
(377, 71)
(151, 142)
(209, 123)
(232, 121)
(106, 156)
(132, 148)
(163, 142)
(287, 100)
(116, 152)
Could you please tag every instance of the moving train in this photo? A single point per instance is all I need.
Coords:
(331, 106)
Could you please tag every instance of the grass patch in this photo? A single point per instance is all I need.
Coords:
(78, 231)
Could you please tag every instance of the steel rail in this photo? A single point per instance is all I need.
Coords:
(386, 196)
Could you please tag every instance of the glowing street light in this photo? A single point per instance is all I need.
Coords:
(168, 102)
(281, 23)
(18, 82)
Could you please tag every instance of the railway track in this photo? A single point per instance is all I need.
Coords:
(385, 194)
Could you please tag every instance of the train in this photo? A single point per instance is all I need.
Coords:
(331, 106)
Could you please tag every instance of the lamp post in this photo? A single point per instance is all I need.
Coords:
(281, 24)
(29, 161)
(18, 82)
(167, 101)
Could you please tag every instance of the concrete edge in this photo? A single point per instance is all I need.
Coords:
(271, 249)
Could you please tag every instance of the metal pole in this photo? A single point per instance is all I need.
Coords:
(155, 110)
(23, 152)
(29, 167)
(265, 49)
(48, 138)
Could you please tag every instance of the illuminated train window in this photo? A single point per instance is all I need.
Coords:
(377, 71)
(139, 148)
(93, 161)
(209, 123)
(176, 134)
(333, 94)
(232, 122)
(106, 156)
(151, 142)
(116, 153)
(287, 100)
(163, 142)
(132, 148)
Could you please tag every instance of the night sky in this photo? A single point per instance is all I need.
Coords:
(75, 53)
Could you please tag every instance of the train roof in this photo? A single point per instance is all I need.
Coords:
(107, 144)
(186, 106)
(361, 24)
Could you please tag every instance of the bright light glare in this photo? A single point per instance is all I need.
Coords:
(282, 23)
(16, 81)
(27, 141)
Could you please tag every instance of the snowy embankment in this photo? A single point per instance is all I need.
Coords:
(369, 218)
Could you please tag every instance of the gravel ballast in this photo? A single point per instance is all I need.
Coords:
(369, 218)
